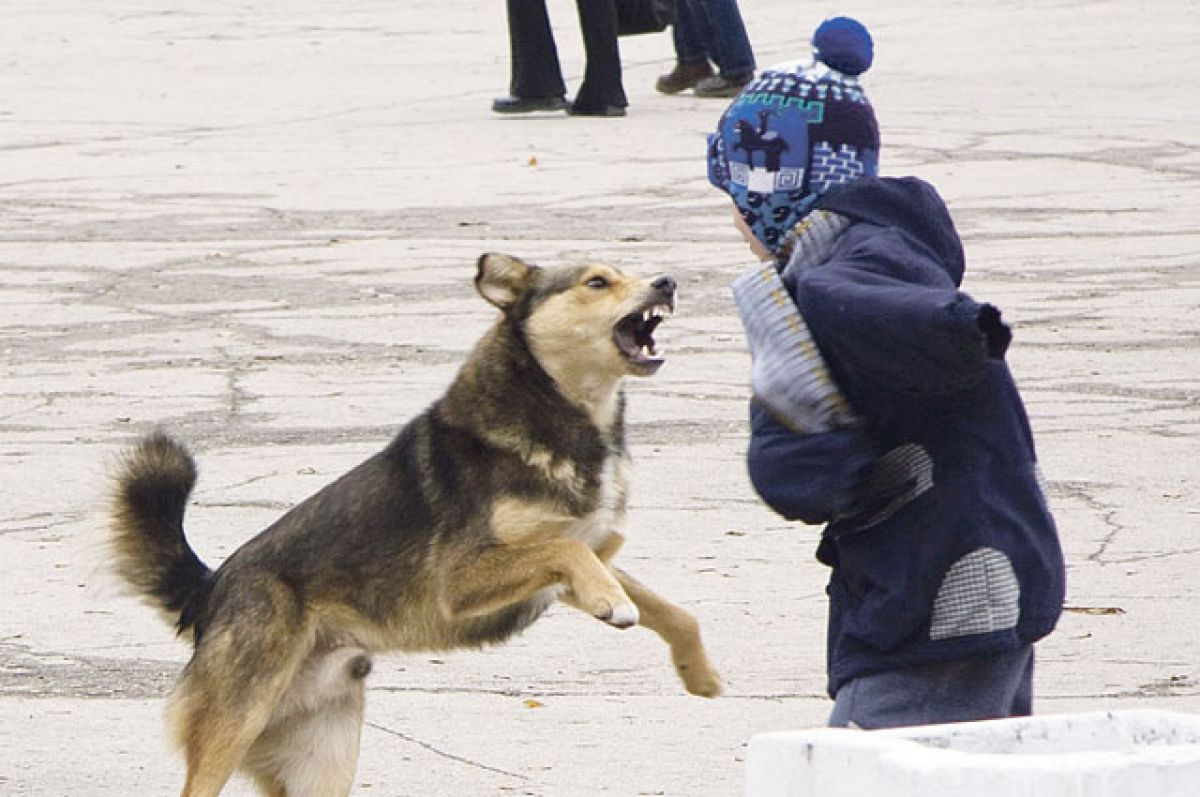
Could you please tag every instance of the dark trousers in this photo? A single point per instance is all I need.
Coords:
(987, 687)
(712, 30)
(535, 68)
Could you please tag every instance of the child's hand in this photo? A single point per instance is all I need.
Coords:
(997, 333)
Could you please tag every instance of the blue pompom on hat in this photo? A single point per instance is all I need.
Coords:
(796, 131)
(844, 44)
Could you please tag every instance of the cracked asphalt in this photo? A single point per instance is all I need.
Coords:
(256, 226)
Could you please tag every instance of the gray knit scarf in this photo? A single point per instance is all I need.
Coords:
(789, 375)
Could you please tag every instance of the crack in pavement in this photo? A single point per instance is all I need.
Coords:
(1083, 492)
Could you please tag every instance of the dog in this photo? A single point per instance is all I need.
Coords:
(506, 494)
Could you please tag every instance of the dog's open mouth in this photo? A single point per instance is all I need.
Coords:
(634, 336)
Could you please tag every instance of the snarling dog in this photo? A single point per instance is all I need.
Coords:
(506, 494)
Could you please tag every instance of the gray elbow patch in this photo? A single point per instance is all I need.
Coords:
(979, 594)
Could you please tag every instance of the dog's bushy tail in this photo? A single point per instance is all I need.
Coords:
(153, 482)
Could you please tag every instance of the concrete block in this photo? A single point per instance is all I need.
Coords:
(1097, 754)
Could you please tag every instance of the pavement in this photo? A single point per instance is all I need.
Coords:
(256, 225)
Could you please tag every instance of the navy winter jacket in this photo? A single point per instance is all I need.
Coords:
(939, 537)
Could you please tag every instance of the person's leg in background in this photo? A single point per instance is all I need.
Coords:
(601, 93)
(691, 52)
(536, 83)
(728, 46)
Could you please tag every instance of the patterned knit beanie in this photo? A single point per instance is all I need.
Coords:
(796, 131)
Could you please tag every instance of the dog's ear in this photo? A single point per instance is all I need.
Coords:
(502, 279)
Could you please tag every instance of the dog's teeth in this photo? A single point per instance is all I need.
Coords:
(645, 316)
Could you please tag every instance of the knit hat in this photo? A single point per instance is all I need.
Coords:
(796, 131)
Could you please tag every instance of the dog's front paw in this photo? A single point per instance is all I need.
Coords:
(703, 681)
(623, 615)
(697, 673)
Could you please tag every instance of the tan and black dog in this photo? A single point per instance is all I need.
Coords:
(506, 494)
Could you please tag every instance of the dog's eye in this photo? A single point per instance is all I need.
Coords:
(599, 283)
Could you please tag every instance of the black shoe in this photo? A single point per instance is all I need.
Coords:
(685, 75)
(603, 110)
(528, 104)
(722, 86)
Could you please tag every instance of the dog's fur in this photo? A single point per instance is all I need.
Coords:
(506, 494)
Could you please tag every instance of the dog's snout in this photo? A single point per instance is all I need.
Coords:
(664, 284)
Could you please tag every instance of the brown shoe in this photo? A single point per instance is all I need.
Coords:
(722, 86)
(685, 75)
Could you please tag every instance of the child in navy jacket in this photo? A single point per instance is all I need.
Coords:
(883, 407)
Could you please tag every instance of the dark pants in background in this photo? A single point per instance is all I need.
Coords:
(535, 68)
(712, 30)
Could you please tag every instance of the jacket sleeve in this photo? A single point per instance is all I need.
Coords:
(890, 317)
(808, 477)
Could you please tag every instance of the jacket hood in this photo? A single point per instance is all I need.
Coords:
(907, 203)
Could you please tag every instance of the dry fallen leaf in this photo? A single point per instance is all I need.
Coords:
(1094, 609)
(534, 704)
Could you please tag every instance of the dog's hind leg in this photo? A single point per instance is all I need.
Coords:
(217, 717)
(229, 690)
(680, 631)
(323, 751)
(310, 746)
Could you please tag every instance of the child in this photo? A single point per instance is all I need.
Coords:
(883, 407)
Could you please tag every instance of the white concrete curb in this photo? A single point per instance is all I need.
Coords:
(1100, 754)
